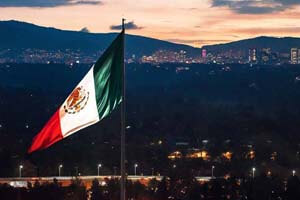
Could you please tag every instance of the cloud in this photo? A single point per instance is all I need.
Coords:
(46, 3)
(130, 26)
(197, 42)
(268, 31)
(256, 6)
(85, 30)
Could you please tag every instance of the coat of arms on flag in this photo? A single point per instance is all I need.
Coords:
(76, 101)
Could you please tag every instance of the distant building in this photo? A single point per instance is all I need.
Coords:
(252, 56)
(298, 56)
(175, 155)
(182, 56)
(266, 56)
(204, 53)
(266, 50)
(294, 55)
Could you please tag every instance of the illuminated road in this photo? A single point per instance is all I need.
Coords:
(87, 180)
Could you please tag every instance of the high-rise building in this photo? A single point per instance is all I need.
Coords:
(182, 56)
(294, 55)
(265, 55)
(204, 53)
(252, 55)
(298, 56)
(266, 50)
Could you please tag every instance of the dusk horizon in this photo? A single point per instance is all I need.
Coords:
(115, 31)
(192, 22)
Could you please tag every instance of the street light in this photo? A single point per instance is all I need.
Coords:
(152, 171)
(20, 170)
(212, 171)
(135, 166)
(99, 166)
(294, 172)
(59, 168)
(115, 171)
(253, 172)
(76, 171)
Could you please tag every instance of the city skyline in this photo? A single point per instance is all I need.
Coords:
(192, 22)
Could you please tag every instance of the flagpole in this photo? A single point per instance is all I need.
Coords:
(123, 128)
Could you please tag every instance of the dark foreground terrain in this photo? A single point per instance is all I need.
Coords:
(234, 117)
(176, 187)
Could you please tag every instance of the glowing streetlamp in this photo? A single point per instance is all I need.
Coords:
(20, 170)
(59, 169)
(212, 171)
(135, 166)
(253, 172)
(99, 166)
(294, 172)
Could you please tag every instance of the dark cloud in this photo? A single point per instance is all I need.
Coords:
(85, 30)
(130, 25)
(88, 2)
(256, 6)
(45, 3)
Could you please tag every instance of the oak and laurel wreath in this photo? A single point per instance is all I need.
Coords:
(67, 110)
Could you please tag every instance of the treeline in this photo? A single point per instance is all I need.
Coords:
(175, 187)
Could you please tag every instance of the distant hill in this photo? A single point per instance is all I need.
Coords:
(18, 35)
(15, 34)
(276, 44)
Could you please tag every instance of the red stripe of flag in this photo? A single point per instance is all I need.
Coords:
(50, 134)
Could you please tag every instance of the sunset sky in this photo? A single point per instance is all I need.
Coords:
(192, 22)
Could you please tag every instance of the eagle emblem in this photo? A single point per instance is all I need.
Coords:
(76, 101)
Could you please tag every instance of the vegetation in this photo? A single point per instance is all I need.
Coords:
(238, 109)
(177, 187)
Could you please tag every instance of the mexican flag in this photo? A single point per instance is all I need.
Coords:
(95, 97)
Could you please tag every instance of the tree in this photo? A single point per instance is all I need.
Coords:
(293, 188)
(216, 189)
(195, 192)
(162, 190)
(76, 191)
(153, 186)
(96, 190)
(113, 189)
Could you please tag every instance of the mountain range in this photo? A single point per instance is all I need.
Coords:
(17, 35)
(22, 35)
(282, 45)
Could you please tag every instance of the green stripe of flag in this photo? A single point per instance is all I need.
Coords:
(108, 77)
